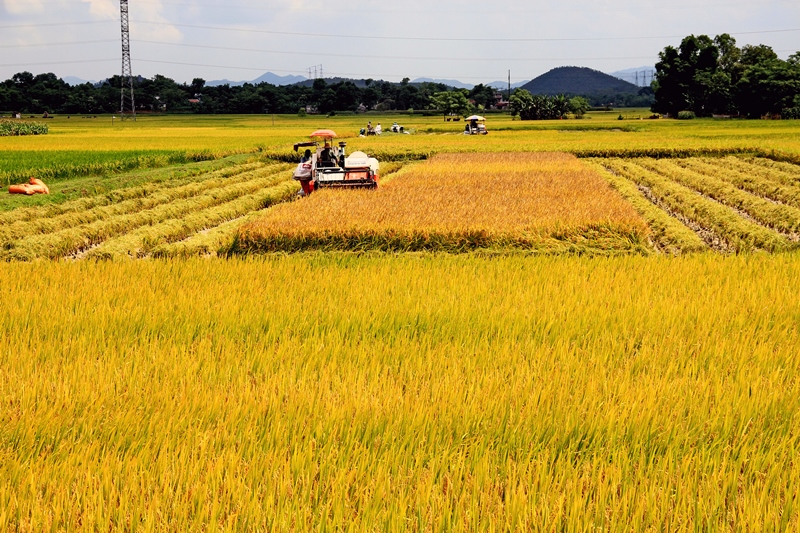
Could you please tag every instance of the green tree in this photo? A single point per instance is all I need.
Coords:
(450, 102)
(483, 95)
(682, 77)
(578, 105)
(520, 103)
(768, 87)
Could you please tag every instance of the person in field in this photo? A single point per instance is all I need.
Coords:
(303, 174)
(378, 129)
(326, 158)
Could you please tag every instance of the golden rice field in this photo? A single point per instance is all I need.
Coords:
(645, 380)
(731, 204)
(334, 392)
(151, 218)
(537, 202)
(461, 202)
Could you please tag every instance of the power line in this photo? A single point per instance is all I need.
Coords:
(570, 9)
(443, 39)
(392, 38)
(46, 24)
(327, 54)
(354, 75)
(70, 43)
(365, 56)
(47, 63)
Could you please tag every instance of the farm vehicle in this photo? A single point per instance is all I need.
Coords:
(324, 165)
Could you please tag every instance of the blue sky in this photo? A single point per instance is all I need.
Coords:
(473, 41)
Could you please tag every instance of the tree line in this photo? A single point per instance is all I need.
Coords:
(702, 77)
(28, 93)
(705, 76)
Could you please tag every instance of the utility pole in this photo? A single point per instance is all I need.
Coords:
(509, 85)
(127, 76)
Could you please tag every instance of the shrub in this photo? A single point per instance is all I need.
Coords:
(686, 115)
(791, 113)
(13, 127)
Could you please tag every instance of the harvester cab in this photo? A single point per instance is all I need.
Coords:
(330, 166)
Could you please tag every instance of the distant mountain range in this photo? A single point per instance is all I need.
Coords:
(503, 85)
(567, 80)
(268, 77)
(450, 83)
(72, 80)
(578, 80)
(469, 86)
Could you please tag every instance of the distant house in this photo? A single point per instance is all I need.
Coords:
(499, 102)
(194, 101)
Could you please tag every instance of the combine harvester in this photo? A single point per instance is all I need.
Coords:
(476, 125)
(328, 166)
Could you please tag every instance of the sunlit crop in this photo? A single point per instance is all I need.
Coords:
(632, 375)
(401, 393)
(458, 202)
(132, 221)
(733, 205)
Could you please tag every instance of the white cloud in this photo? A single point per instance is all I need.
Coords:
(21, 7)
(152, 12)
(607, 35)
(103, 8)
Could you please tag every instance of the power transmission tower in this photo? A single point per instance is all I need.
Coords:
(127, 75)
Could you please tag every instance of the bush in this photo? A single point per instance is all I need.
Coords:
(686, 115)
(791, 113)
(301, 112)
(14, 127)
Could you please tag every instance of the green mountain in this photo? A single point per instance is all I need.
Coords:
(578, 81)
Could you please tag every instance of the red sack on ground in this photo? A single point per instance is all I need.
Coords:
(24, 188)
(39, 184)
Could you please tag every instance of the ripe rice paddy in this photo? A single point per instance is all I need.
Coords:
(460, 202)
(401, 393)
(331, 391)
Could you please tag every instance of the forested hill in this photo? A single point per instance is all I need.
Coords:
(578, 81)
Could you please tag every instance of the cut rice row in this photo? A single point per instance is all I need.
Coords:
(668, 233)
(783, 218)
(781, 175)
(141, 242)
(121, 195)
(157, 196)
(72, 240)
(745, 179)
(740, 234)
